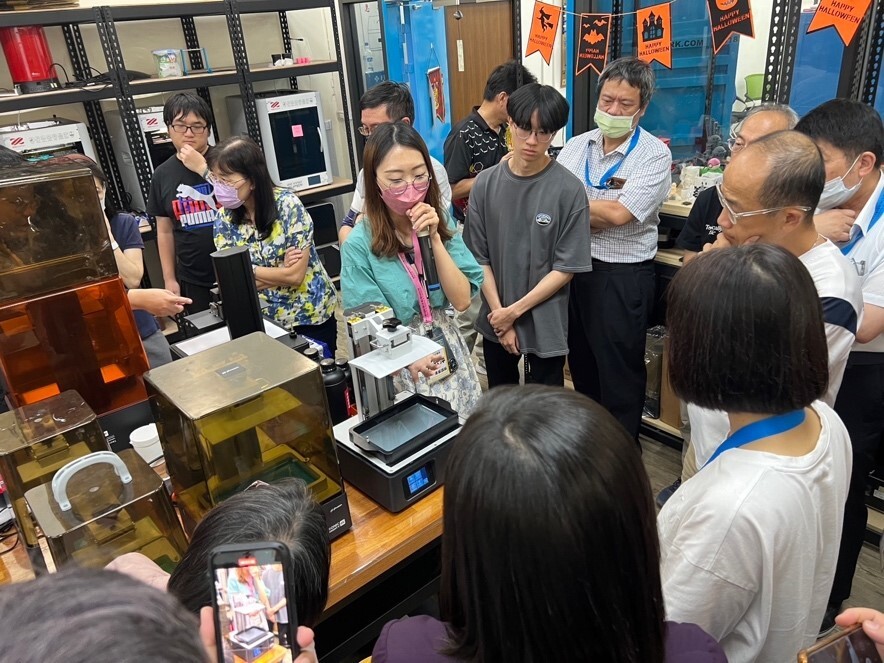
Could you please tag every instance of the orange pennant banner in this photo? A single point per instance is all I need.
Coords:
(592, 42)
(843, 15)
(544, 27)
(654, 28)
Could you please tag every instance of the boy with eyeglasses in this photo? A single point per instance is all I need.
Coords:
(529, 230)
(181, 201)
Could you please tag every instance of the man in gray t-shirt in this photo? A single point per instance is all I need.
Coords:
(529, 229)
(274, 580)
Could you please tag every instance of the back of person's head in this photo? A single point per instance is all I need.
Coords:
(849, 126)
(181, 105)
(10, 157)
(86, 615)
(395, 96)
(634, 72)
(382, 142)
(551, 107)
(746, 332)
(505, 78)
(241, 155)
(791, 117)
(796, 171)
(284, 511)
(549, 550)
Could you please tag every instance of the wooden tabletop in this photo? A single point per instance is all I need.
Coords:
(676, 208)
(379, 540)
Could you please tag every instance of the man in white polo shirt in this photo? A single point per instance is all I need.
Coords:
(626, 173)
(850, 136)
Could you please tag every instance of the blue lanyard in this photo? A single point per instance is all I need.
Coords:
(879, 211)
(758, 430)
(613, 169)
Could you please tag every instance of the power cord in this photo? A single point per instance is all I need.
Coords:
(92, 85)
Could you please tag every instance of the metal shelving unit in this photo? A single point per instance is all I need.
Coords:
(124, 90)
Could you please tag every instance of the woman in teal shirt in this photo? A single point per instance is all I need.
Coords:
(378, 262)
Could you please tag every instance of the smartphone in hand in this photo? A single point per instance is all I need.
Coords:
(851, 645)
(254, 601)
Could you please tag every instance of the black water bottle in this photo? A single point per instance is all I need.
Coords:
(335, 390)
(344, 365)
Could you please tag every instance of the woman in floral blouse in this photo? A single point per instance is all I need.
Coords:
(271, 220)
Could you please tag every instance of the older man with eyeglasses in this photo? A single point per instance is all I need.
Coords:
(769, 193)
(701, 227)
(181, 201)
(626, 174)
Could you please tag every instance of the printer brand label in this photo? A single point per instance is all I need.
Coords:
(290, 102)
(41, 138)
(231, 371)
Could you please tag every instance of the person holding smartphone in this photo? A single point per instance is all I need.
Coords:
(272, 221)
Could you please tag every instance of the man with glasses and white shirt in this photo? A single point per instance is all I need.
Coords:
(626, 175)
(528, 229)
(387, 102)
(181, 201)
(850, 136)
(701, 228)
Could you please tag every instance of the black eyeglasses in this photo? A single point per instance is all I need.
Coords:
(195, 129)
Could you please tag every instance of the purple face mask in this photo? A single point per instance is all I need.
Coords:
(227, 196)
(400, 203)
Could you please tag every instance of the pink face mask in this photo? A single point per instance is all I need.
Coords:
(400, 203)
(227, 196)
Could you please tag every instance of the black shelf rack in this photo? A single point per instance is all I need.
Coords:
(123, 90)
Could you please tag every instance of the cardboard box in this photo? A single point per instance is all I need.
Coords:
(670, 406)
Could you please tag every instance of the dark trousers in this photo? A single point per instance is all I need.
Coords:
(608, 317)
(503, 368)
(198, 293)
(860, 404)
(326, 332)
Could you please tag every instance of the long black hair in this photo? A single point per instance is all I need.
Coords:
(549, 548)
(240, 154)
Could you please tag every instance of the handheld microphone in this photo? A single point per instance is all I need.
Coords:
(431, 276)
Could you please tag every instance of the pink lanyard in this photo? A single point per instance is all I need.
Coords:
(415, 272)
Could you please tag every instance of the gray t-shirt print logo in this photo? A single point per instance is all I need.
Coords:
(543, 219)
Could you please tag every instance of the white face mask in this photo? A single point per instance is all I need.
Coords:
(835, 193)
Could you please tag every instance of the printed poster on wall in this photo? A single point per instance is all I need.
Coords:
(592, 42)
(544, 27)
(437, 92)
(729, 17)
(843, 15)
(654, 28)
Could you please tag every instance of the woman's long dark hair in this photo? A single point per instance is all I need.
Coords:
(240, 154)
(384, 138)
(549, 550)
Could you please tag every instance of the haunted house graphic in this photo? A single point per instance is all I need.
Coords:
(652, 28)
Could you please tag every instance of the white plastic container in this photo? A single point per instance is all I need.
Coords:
(146, 441)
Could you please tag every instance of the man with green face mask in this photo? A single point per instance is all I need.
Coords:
(626, 173)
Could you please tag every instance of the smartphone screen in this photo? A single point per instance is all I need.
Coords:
(849, 646)
(254, 602)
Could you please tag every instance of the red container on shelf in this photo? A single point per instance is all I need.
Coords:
(30, 62)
